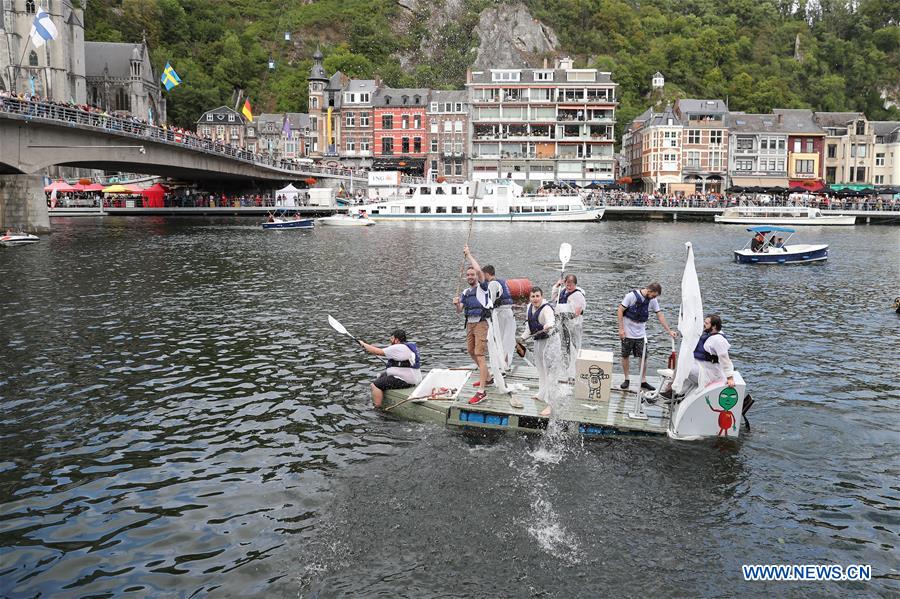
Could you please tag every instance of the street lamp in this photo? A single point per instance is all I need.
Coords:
(271, 64)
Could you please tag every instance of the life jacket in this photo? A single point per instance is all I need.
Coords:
(564, 295)
(639, 311)
(703, 355)
(534, 325)
(473, 305)
(505, 297)
(407, 363)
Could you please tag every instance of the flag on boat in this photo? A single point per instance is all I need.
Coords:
(169, 77)
(42, 29)
(247, 111)
(690, 320)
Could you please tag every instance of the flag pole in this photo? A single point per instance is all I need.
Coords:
(19, 65)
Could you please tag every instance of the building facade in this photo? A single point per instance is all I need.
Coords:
(886, 166)
(849, 147)
(704, 144)
(119, 77)
(57, 69)
(400, 130)
(324, 108)
(357, 121)
(806, 148)
(448, 136)
(223, 125)
(757, 152)
(279, 135)
(660, 138)
(538, 125)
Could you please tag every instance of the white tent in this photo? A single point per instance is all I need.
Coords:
(287, 196)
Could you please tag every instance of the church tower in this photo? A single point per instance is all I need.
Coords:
(318, 81)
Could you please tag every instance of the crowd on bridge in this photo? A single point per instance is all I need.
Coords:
(34, 106)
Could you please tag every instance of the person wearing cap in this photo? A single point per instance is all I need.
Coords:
(403, 365)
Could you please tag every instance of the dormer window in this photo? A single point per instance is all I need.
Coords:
(387, 100)
(416, 99)
(230, 118)
(860, 128)
(209, 117)
(405, 99)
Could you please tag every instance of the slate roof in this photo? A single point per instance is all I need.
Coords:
(799, 120)
(220, 116)
(887, 129)
(117, 57)
(740, 122)
(836, 119)
(687, 106)
(361, 85)
(396, 97)
(450, 95)
(661, 119)
(527, 76)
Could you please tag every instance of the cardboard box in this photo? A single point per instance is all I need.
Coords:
(593, 375)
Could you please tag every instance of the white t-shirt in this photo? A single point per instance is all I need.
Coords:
(634, 329)
(719, 346)
(575, 301)
(402, 353)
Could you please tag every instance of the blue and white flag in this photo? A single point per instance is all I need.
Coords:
(42, 29)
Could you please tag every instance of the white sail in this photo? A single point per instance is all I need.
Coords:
(496, 354)
(690, 320)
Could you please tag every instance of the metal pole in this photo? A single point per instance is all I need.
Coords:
(638, 413)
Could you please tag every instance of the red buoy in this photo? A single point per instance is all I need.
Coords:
(519, 288)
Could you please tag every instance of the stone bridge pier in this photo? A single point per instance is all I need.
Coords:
(23, 204)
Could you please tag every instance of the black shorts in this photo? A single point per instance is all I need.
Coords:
(632, 347)
(387, 381)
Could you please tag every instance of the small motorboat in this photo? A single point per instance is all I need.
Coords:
(278, 222)
(10, 239)
(346, 220)
(767, 248)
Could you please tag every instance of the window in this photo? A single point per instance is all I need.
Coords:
(458, 167)
(33, 59)
(404, 146)
(434, 166)
(832, 150)
(387, 146)
(313, 102)
(364, 145)
(220, 131)
(457, 147)
(458, 107)
(715, 138)
(29, 7)
(350, 98)
(351, 145)
(860, 129)
(387, 121)
(448, 168)
(809, 146)
(693, 159)
(417, 121)
(364, 98)
(804, 167)
(434, 107)
(405, 122)
(230, 118)
(743, 165)
(504, 75)
(693, 136)
(448, 146)
(417, 145)
(543, 75)
(434, 127)
(363, 119)
(313, 123)
(777, 167)
(860, 173)
(861, 151)
(830, 174)
(879, 159)
(209, 117)
(782, 144)
(448, 126)
(251, 132)
(879, 179)
(434, 146)
(745, 144)
(797, 144)
(387, 100)
(351, 119)
(764, 144)
(458, 126)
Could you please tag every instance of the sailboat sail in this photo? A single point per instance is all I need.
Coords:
(494, 342)
(690, 320)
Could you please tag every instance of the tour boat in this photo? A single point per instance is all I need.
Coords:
(289, 223)
(502, 201)
(346, 220)
(774, 250)
(749, 214)
(10, 239)
(596, 405)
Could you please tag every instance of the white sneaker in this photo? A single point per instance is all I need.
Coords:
(516, 403)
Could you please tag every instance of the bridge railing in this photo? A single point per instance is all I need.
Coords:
(864, 203)
(134, 127)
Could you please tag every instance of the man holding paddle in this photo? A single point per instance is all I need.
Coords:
(403, 364)
(474, 302)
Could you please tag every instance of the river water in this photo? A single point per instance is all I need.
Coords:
(178, 419)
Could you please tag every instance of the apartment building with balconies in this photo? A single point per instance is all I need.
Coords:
(704, 144)
(448, 136)
(400, 130)
(358, 122)
(539, 125)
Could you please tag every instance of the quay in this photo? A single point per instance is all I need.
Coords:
(612, 212)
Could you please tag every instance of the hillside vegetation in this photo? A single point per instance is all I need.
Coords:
(757, 54)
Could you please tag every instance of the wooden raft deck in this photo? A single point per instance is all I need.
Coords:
(495, 412)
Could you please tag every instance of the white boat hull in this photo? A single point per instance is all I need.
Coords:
(517, 217)
(18, 239)
(789, 221)
(345, 221)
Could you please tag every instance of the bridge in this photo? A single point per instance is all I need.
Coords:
(37, 135)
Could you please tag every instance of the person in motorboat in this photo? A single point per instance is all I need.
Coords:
(502, 315)
(710, 354)
(474, 302)
(271, 218)
(541, 327)
(633, 313)
(403, 365)
(759, 240)
(570, 305)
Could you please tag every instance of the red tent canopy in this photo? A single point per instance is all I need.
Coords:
(153, 196)
(59, 186)
(93, 187)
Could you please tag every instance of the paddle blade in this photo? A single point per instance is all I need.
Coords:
(336, 325)
(565, 252)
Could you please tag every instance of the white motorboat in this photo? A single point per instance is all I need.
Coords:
(763, 249)
(347, 220)
(10, 239)
(749, 214)
(502, 201)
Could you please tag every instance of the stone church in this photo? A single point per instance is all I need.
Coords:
(113, 76)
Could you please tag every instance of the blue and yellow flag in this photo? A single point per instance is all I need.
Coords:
(169, 77)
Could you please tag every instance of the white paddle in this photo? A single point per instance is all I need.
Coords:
(340, 329)
(565, 253)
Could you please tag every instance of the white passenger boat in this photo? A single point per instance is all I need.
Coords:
(749, 214)
(346, 220)
(10, 239)
(502, 201)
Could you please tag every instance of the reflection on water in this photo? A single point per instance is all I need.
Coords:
(178, 419)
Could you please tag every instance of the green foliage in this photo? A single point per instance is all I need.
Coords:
(739, 50)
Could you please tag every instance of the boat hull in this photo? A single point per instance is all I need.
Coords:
(306, 223)
(793, 254)
(836, 220)
(14, 240)
(345, 221)
(515, 217)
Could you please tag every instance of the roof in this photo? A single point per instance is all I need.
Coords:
(450, 95)
(687, 106)
(799, 120)
(836, 119)
(527, 76)
(740, 122)
(220, 115)
(661, 119)
(886, 128)
(298, 120)
(115, 58)
(361, 85)
(657, 74)
(770, 229)
(396, 96)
